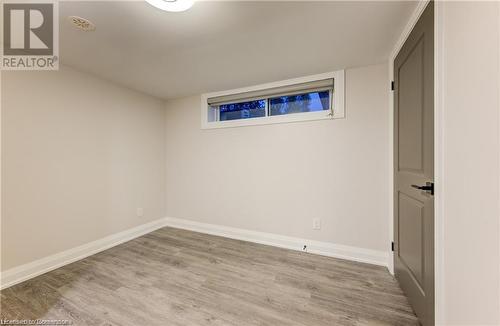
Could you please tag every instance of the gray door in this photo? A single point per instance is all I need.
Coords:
(414, 167)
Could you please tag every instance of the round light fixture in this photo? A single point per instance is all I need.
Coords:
(172, 5)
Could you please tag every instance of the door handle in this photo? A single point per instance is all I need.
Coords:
(429, 187)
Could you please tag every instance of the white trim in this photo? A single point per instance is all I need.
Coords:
(439, 304)
(498, 22)
(328, 249)
(409, 27)
(1, 158)
(402, 39)
(287, 118)
(338, 103)
(38, 267)
(27, 271)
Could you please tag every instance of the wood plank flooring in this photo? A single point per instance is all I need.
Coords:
(178, 277)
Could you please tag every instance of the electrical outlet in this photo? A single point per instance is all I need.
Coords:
(316, 224)
(140, 212)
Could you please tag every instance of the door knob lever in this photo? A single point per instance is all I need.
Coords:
(429, 187)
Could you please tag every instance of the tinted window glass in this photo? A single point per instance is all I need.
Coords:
(243, 110)
(309, 102)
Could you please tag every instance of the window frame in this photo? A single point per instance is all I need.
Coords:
(336, 99)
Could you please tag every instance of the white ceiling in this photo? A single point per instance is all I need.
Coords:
(222, 45)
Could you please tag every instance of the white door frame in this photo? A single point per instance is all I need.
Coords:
(438, 148)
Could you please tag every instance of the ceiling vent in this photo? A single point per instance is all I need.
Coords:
(81, 23)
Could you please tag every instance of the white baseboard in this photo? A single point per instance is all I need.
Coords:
(27, 271)
(363, 255)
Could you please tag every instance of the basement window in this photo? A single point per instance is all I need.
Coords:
(316, 97)
(243, 110)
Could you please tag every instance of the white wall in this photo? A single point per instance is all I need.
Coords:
(277, 178)
(468, 275)
(78, 156)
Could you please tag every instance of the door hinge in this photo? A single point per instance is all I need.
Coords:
(392, 245)
(392, 85)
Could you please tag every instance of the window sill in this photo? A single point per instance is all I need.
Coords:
(296, 117)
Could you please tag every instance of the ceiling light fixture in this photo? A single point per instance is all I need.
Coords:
(172, 5)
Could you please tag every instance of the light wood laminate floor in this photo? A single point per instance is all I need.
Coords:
(178, 277)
